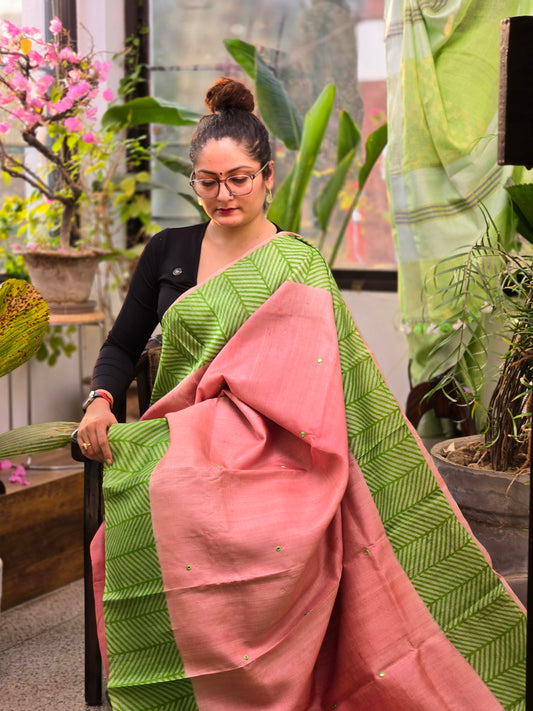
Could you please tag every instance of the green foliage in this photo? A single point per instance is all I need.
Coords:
(488, 292)
(522, 200)
(147, 109)
(286, 208)
(283, 121)
(133, 68)
(109, 195)
(57, 340)
(275, 106)
(375, 144)
(23, 323)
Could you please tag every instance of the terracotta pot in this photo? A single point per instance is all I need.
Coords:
(62, 277)
(496, 505)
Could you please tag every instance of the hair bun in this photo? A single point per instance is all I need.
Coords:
(227, 94)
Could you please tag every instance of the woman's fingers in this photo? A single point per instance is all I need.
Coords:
(92, 432)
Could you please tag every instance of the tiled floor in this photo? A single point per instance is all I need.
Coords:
(41, 654)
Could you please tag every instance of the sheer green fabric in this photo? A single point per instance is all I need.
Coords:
(443, 69)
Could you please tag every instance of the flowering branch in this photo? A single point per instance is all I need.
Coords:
(48, 86)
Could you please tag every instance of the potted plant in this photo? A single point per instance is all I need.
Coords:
(490, 296)
(75, 177)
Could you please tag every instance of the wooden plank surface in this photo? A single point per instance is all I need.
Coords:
(41, 530)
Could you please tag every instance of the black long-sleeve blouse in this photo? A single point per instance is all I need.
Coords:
(168, 266)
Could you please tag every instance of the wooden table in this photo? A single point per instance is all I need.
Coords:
(41, 528)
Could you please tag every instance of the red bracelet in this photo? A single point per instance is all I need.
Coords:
(93, 395)
(105, 396)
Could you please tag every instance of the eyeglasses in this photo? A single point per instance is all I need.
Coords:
(235, 184)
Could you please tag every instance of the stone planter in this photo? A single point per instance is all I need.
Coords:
(63, 277)
(496, 505)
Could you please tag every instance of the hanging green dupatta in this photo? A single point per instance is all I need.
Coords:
(442, 87)
(447, 569)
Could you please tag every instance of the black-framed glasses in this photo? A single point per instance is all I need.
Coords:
(235, 184)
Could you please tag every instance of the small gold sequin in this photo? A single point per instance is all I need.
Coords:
(367, 552)
(319, 360)
(302, 434)
(188, 567)
(246, 657)
(381, 674)
(278, 548)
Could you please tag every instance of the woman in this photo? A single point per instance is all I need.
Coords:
(275, 536)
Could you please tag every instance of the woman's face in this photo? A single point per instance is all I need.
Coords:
(222, 159)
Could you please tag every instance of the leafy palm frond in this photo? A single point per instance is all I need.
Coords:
(487, 282)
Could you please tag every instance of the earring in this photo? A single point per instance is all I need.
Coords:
(269, 197)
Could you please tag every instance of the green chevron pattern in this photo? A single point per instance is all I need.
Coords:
(145, 668)
(462, 593)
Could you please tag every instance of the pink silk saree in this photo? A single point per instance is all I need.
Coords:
(275, 537)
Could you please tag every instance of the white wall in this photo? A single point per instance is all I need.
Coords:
(101, 29)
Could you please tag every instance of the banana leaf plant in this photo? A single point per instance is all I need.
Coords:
(24, 320)
(281, 118)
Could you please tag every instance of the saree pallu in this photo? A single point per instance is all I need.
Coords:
(276, 538)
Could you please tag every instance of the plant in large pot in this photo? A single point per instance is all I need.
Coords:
(48, 94)
(488, 474)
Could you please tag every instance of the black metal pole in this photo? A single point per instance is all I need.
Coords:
(515, 147)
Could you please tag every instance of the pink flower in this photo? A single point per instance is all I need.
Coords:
(10, 29)
(44, 83)
(5, 464)
(102, 69)
(56, 26)
(78, 91)
(32, 32)
(72, 123)
(89, 138)
(108, 95)
(36, 58)
(19, 476)
(51, 55)
(69, 55)
(5, 127)
(20, 83)
(64, 104)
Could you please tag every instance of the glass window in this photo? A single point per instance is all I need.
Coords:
(311, 43)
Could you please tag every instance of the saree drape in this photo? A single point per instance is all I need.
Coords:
(442, 112)
(275, 536)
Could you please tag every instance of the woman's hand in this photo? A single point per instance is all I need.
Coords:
(92, 432)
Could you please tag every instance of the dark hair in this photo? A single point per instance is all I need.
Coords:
(231, 104)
